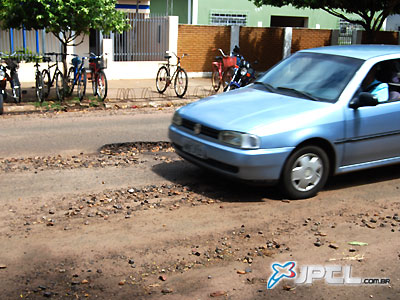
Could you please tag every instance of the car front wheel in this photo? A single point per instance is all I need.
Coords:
(305, 173)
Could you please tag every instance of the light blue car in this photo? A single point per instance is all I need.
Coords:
(313, 115)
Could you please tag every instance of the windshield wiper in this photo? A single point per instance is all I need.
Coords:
(305, 94)
(266, 85)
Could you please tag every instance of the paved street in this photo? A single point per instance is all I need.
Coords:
(74, 133)
(84, 218)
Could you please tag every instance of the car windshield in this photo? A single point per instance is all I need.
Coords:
(314, 76)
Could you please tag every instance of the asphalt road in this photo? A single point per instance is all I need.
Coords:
(74, 133)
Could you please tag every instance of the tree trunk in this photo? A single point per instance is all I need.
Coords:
(64, 59)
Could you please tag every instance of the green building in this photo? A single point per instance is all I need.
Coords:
(243, 13)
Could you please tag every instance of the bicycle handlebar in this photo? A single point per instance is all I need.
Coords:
(183, 55)
(222, 53)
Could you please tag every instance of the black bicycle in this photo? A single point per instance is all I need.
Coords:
(77, 76)
(58, 78)
(39, 83)
(164, 79)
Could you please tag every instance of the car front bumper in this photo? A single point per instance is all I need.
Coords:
(258, 165)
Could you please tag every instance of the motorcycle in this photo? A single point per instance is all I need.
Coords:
(3, 82)
(242, 74)
(12, 65)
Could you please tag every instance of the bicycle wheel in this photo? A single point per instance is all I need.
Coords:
(46, 83)
(60, 86)
(181, 83)
(93, 79)
(162, 79)
(70, 82)
(215, 80)
(16, 88)
(101, 86)
(39, 87)
(227, 78)
(1, 104)
(82, 78)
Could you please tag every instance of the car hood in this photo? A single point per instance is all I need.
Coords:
(250, 109)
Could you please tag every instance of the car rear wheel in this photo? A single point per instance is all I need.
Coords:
(305, 173)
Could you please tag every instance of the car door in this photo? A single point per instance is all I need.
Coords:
(372, 133)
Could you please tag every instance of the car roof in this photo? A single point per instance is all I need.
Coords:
(364, 52)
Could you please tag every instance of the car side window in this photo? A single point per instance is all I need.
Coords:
(386, 82)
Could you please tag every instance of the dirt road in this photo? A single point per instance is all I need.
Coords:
(134, 221)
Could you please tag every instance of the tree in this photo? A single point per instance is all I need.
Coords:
(65, 19)
(370, 14)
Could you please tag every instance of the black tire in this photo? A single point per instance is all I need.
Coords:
(181, 83)
(39, 87)
(82, 79)
(46, 83)
(94, 87)
(60, 86)
(215, 80)
(101, 86)
(1, 104)
(16, 88)
(162, 79)
(305, 172)
(70, 82)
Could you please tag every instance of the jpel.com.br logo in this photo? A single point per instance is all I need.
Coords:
(333, 274)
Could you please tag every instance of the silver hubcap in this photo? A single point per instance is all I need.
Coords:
(307, 171)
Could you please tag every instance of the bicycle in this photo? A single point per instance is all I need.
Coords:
(58, 77)
(163, 79)
(39, 84)
(97, 76)
(12, 65)
(77, 76)
(220, 67)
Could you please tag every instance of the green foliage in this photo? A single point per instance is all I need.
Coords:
(66, 19)
(370, 14)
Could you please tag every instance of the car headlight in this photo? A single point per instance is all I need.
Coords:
(238, 139)
(243, 71)
(2, 74)
(177, 119)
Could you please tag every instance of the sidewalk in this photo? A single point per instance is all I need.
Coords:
(121, 94)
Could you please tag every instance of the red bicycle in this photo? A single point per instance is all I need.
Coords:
(222, 70)
(98, 77)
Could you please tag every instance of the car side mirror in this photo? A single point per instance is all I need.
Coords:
(364, 99)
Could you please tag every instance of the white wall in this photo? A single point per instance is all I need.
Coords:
(393, 23)
(115, 70)
(139, 69)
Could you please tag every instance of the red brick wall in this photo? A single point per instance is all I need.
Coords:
(262, 44)
(310, 38)
(384, 37)
(202, 43)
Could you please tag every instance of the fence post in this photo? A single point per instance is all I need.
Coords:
(335, 37)
(287, 42)
(356, 37)
(24, 38)
(43, 41)
(11, 40)
(37, 41)
(235, 31)
(173, 36)
(108, 50)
